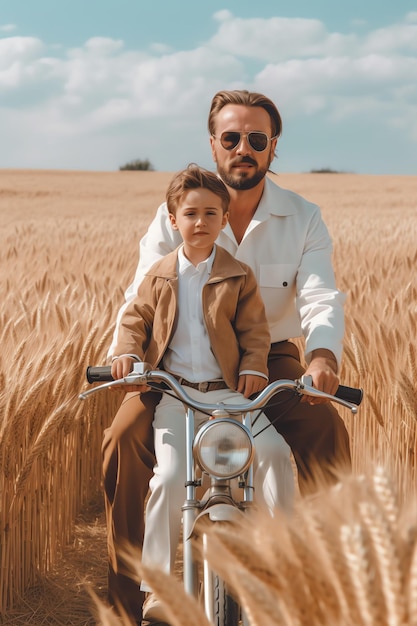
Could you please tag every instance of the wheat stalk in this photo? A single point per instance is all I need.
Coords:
(66, 305)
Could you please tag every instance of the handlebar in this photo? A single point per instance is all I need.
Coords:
(97, 374)
(142, 374)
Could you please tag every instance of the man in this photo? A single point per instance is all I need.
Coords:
(283, 239)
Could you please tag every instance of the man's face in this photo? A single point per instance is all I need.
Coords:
(242, 166)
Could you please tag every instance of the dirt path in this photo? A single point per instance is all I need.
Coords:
(62, 598)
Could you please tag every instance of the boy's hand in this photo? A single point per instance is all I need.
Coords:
(120, 368)
(250, 383)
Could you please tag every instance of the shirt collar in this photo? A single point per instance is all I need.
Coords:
(184, 264)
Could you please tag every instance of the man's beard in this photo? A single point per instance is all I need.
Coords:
(241, 181)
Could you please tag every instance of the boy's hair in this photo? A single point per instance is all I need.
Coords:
(195, 177)
(248, 99)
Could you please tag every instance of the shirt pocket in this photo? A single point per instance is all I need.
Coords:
(277, 276)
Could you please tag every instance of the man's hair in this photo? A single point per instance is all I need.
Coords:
(248, 99)
(195, 177)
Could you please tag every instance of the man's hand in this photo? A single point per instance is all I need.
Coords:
(120, 368)
(250, 383)
(323, 370)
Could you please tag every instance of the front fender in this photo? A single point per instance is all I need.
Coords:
(221, 512)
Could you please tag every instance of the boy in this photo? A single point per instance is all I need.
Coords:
(198, 314)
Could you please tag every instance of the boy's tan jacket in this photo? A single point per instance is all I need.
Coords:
(233, 311)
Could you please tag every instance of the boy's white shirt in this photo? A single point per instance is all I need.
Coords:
(189, 354)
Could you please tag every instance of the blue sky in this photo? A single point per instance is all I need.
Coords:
(93, 84)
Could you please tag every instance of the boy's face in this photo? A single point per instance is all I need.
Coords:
(199, 218)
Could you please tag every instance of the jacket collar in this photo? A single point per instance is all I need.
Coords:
(224, 266)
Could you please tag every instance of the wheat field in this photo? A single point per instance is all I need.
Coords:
(69, 248)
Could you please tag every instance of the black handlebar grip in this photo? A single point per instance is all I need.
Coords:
(97, 374)
(350, 394)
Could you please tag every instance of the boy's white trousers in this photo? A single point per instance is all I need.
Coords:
(273, 473)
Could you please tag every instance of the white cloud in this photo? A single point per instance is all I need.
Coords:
(223, 16)
(279, 38)
(393, 39)
(161, 48)
(411, 17)
(7, 28)
(19, 50)
(102, 84)
(372, 87)
(91, 93)
(177, 82)
(22, 66)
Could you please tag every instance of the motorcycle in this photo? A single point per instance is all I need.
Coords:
(222, 450)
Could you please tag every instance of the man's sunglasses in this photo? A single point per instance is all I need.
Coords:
(257, 140)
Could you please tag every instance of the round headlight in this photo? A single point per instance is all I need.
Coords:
(224, 448)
